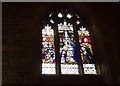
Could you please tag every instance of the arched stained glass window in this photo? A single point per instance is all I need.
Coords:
(75, 53)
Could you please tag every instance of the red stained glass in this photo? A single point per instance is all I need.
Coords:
(84, 39)
(86, 51)
(48, 51)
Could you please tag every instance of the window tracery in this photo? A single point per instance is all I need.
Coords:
(67, 46)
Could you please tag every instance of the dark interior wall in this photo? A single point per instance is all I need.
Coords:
(108, 26)
(21, 41)
(106, 18)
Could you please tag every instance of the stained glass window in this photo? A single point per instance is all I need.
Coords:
(86, 51)
(67, 49)
(74, 53)
(48, 51)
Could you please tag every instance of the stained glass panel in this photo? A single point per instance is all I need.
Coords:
(67, 49)
(48, 51)
(86, 51)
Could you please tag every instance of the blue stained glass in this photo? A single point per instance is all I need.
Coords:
(67, 49)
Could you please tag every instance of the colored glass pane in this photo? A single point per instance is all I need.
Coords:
(67, 49)
(48, 51)
(86, 51)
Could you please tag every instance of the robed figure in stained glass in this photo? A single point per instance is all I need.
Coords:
(68, 51)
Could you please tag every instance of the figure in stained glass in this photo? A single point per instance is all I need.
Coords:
(68, 52)
(67, 49)
(48, 51)
(86, 51)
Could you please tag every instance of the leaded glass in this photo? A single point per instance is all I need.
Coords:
(86, 51)
(77, 22)
(67, 49)
(77, 16)
(51, 21)
(48, 51)
(69, 56)
(69, 16)
(60, 15)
